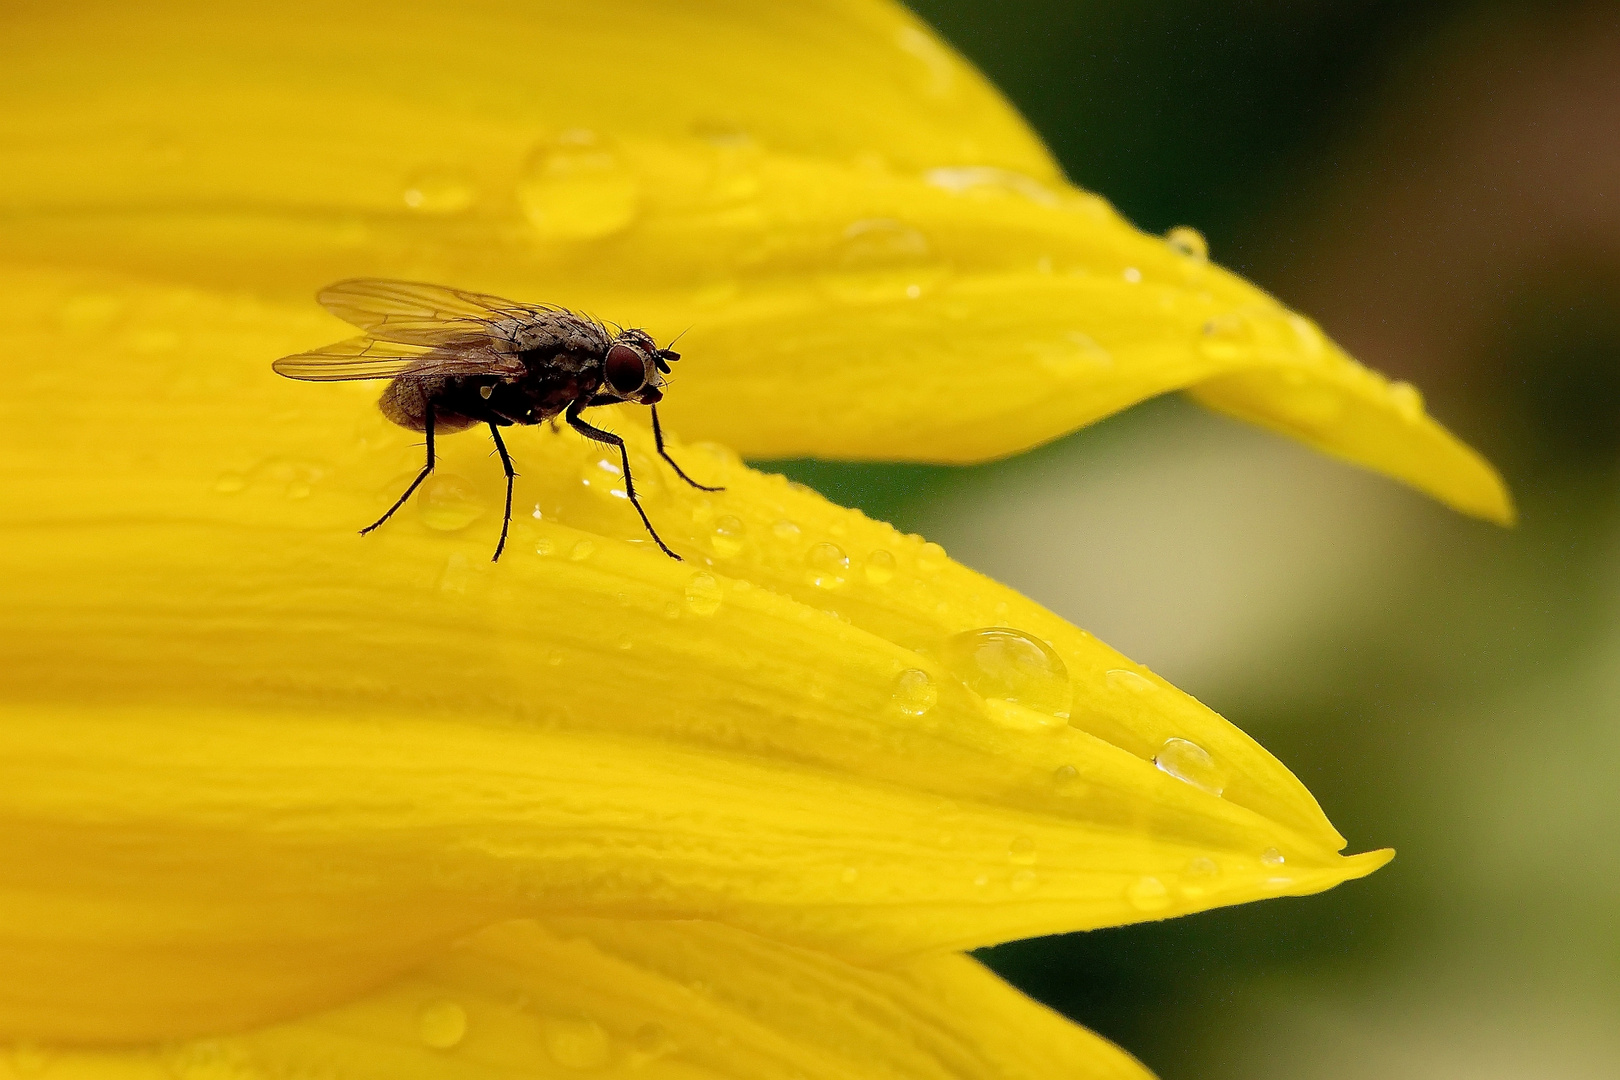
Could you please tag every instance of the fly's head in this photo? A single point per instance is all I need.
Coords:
(634, 367)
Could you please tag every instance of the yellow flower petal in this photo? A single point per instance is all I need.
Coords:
(874, 256)
(686, 1000)
(252, 762)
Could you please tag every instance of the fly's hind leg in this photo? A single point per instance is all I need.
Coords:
(506, 463)
(421, 476)
(572, 416)
(658, 437)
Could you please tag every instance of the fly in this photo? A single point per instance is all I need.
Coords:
(456, 359)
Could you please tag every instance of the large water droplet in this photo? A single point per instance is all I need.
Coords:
(578, 187)
(914, 692)
(1148, 894)
(880, 567)
(439, 191)
(576, 1043)
(447, 502)
(1189, 242)
(828, 566)
(442, 1025)
(1003, 664)
(1191, 763)
(1021, 851)
(727, 538)
(703, 594)
(881, 259)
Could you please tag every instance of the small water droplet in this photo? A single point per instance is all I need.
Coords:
(1003, 664)
(983, 181)
(1188, 762)
(1272, 857)
(931, 559)
(1021, 851)
(880, 567)
(1132, 275)
(1200, 875)
(849, 875)
(1228, 335)
(545, 546)
(703, 593)
(828, 565)
(581, 550)
(1064, 775)
(439, 191)
(881, 259)
(727, 539)
(230, 483)
(1148, 894)
(1188, 241)
(447, 502)
(1023, 881)
(653, 1040)
(914, 692)
(1408, 401)
(1123, 679)
(785, 530)
(442, 1024)
(579, 187)
(576, 1043)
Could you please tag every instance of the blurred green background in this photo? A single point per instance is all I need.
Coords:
(1439, 185)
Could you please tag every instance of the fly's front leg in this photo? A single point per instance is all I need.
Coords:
(421, 476)
(579, 425)
(658, 437)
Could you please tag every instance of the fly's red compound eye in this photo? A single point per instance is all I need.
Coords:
(626, 372)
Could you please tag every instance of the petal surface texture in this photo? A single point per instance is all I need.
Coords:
(252, 764)
(673, 1001)
(874, 257)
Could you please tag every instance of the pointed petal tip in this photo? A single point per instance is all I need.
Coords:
(1359, 866)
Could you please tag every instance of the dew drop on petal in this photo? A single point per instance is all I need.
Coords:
(1272, 857)
(828, 566)
(880, 567)
(1002, 664)
(881, 259)
(785, 530)
(1188, 762)
(544, 546)
(1188, 241)
(914, 692)
(578, 186)
(576, 1043)
(931, 559)
(1132, 275)
(582, 550)
(727, 538)
(1227, 335)
(1021, 851)
(1123, 679)
(1200, 875)
(1065, 775)
(442, 1025)
(448, 503)
(703, 593)
(1408, 401)
(1023, 881)
(1148, 894)
(439, 191)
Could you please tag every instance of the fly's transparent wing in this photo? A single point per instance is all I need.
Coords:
(416, 313)
(368, 358)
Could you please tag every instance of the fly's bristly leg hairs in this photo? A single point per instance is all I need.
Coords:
(506, 463)
(427, 420)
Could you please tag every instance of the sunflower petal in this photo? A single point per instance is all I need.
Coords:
(847, 217)
(252, 762)
(686, 1000)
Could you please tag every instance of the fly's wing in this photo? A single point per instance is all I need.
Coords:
(415, 313)
(368, 358)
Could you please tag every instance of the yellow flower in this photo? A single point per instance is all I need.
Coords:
(258, 774)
